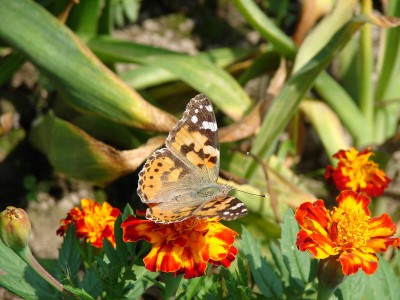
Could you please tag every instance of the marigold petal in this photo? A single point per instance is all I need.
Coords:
(312, 211)
(192, 264)
(349, 201)
(376, 245)
(136, 229)
(320, 246)
(227, 260)
(381, 226)
(352, 261)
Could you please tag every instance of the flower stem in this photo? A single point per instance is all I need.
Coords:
(26, 255)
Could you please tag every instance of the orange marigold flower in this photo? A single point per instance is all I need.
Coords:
(355, 171)
(94, 222)
(184, 247)
(347, 232)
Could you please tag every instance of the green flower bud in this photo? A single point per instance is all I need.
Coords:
(15, 228)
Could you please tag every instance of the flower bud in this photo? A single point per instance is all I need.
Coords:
(15, 228)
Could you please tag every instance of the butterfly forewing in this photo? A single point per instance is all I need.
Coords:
(194, 139)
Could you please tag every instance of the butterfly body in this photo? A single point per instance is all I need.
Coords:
(180, 181)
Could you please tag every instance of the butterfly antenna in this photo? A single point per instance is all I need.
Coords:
(246, 155)
(262, 196)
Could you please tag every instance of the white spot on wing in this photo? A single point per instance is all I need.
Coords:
(209, 107)
(196, 111)
(194, 119)
(209, 125)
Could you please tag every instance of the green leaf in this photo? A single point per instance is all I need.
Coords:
(69, 259)
(76, 73)
(111, 254)
(327, 125)
(84, 17)
(268, 30)
(91, 283)
(345, 108)
(287, 101)
(78, 155)
(131, 8)
(280, 263)
(263, 273)
(217, 84)
(18, 278)
(297, 262)
(8, 65)
(353, 287)
(150, 74)
(322, 33)
(121, 249)
(383, 284)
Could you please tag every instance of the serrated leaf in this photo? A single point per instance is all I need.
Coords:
(383, 284)
(121, 249)
(91, 283)
(263, 273)
(353, 287)
(111, 254)
(279, 262)
(18, 278)
(297, 262)
(69, 259)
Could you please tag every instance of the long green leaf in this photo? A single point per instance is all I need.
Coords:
(148, 75)
(345, 108)
(17, 277)
(327, 125)
(79, 76)
(268, 30)
(73, 152)
(217, 84)
(8, 65)
(287, 101)
(198, 72)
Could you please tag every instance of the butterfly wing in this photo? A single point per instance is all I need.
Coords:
(226, 207)
(162, 178)
(194, 139)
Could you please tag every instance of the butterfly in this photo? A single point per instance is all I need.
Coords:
(180, 181)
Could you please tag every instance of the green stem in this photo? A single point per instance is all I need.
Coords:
(26, 255)
(366, 67)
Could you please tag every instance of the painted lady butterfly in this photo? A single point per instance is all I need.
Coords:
(180, 181)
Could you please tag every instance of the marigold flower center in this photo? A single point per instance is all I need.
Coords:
(352, 228)
(360, 172)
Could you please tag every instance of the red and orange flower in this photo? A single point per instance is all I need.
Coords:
(184, 247)
(355, 171)
(94, 222)
(347, 232)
